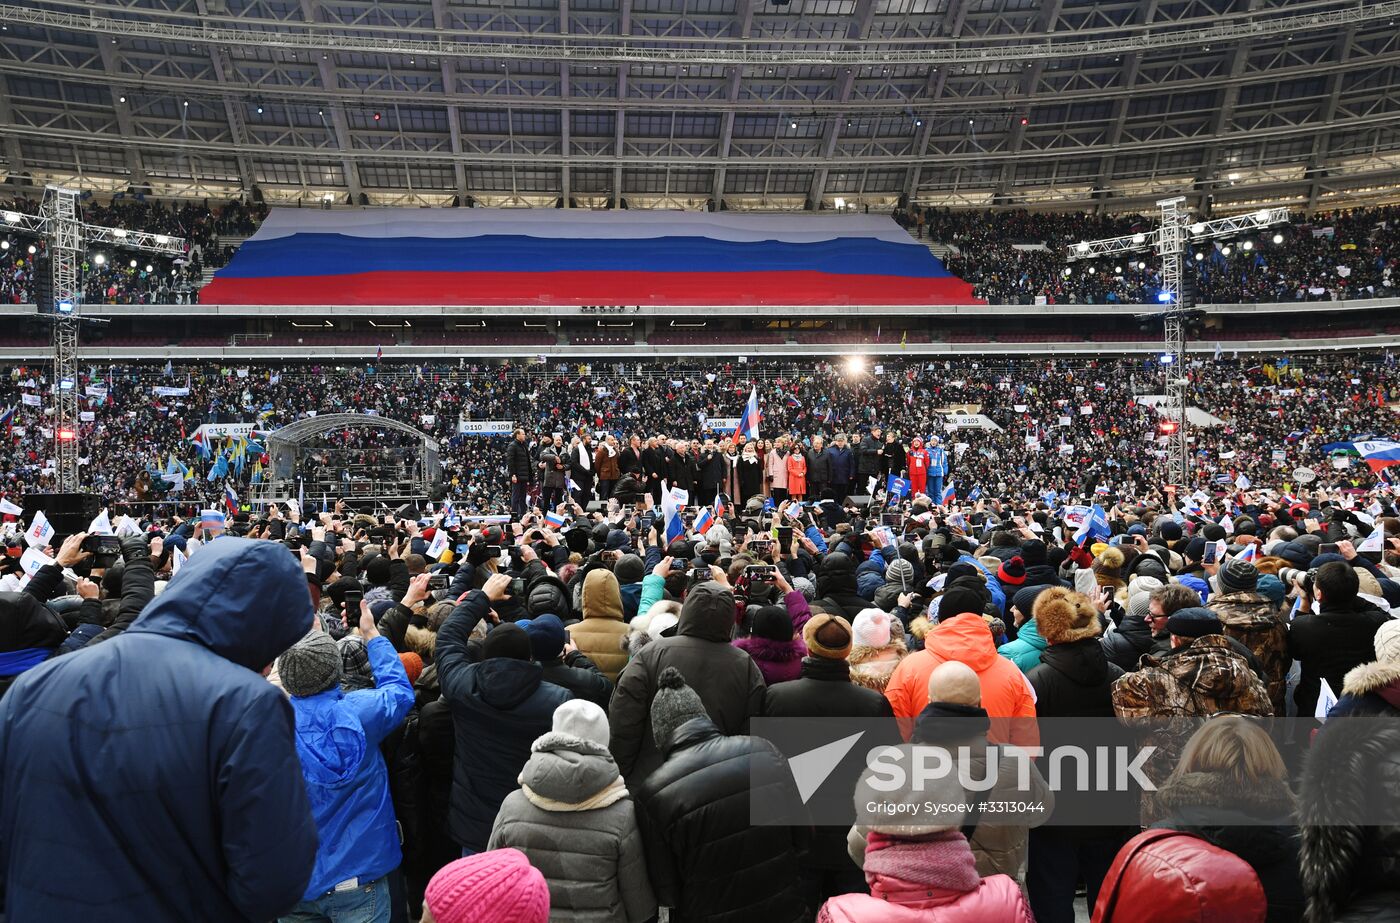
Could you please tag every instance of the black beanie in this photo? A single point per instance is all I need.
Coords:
(507, 640)
(773, 623)
(958, 600)
(1033, 552)
(377, 571)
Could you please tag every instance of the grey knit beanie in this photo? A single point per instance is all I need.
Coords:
(675, 704)
(901, 572)
(1238, 576)
(311, 665)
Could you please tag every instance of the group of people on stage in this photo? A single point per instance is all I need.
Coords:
(782, 468)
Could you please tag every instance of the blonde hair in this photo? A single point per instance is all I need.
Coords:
(1234, 746)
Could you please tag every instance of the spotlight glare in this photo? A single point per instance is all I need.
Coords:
(33, 249)
(1278, 238)
(1165, 358)
(1139, 238)
(4, 245)
(1200, 256)
(855, 365)
(150, 268)
(1082, 246)
(1164, 297)
(1198, 228)
(1247, 245)
(1262, 216)
(98, 259)
(133, 264)
(12, 217)
(1225, 251)
(1118, 269)
(1141, 265)
(119, 234)
(162, 239)
(1067, 272)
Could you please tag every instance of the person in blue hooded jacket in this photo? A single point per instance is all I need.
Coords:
(338, 738)
(154, 777)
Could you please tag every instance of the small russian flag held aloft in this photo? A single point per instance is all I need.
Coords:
(1249, 553)
(949, 495)
(554, 519)
(704, 521)
(720, 508)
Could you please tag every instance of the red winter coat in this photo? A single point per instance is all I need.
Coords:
(917, 459)
(1173, 877)
(796, 474)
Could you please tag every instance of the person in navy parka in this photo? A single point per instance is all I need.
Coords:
(154, 777)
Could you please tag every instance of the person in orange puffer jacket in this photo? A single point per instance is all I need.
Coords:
(966, 638)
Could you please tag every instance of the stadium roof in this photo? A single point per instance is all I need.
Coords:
(675, 103)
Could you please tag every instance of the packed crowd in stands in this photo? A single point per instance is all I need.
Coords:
(1062, 424)
(132, 277)
(1017, 257)
(571, 716)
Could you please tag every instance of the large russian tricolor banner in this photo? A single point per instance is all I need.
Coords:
(462, 256)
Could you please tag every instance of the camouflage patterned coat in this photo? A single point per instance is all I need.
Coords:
(1197, 679)
(1255, 622)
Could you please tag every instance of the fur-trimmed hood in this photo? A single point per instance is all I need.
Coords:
(1062, 617)
(1194, 792)
(1353, 765)
(1371, 677)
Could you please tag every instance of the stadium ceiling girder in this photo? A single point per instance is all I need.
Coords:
(1320, 99)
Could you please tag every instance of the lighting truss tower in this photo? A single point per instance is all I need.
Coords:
(1174, 231)
(60, 212)
(61, 225)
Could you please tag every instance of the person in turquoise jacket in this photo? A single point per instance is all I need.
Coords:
(337, 740)
(1025, 651)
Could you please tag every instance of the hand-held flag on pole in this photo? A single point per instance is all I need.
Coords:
(40, 531)
(704, 521)
(101, 524)
(1376, 540)
(670, 511)
(438, 545)
(950, 494)
(748, 423)
(1095, 525)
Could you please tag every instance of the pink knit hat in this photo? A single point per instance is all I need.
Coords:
(499, 886)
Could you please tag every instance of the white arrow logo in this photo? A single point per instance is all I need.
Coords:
(811, 769)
